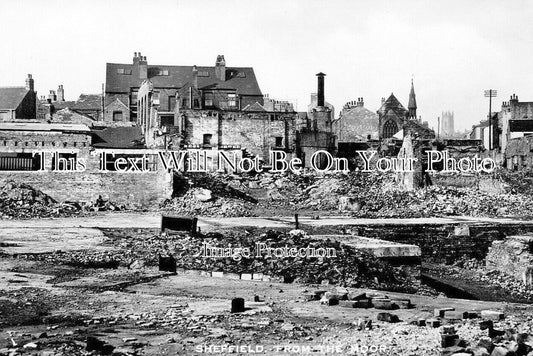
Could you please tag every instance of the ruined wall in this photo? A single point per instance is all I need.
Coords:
(511, 256)
(140, 189)
(442, 243)
(255, 132)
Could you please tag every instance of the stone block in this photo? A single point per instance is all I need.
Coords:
(384, 304)
(362, 303)
(492, 315)
(217, 274)
(434, 323)
(246, 276)
(499, 351)
(388, 317)
(447, 340)
(401, 303)
(462, 230)
(439, 313)
(347, 303)
(229, 275)
(167, 263)
(179, 223)
(237, 305)
(257, 276)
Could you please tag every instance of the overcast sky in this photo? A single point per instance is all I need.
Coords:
(453, 49)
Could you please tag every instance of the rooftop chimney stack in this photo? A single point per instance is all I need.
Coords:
(143, 67)
(60, 93)
(29, 83)
(220, 68)
(195, 76)
(52, 96)
(320, 92)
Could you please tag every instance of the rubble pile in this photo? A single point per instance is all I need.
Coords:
(361, 194)
(350, 267)
(208, 195)
(21, 201)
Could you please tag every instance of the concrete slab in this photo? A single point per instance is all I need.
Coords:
(376, 247)
(46, 240)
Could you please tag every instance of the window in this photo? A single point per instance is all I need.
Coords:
(133, 98)
(232, 100)
(155, 98)
(241, 75)
(117, 115)
(162, 72)
(389, 129)
(184, 103)
(196, 104)
(279, 141)
(203, 74)
(19, 162)
(124, 71)
(208, 100)
(207, 139)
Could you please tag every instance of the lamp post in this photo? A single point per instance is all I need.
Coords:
(491, 93)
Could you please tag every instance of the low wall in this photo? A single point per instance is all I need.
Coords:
(440, 244)
(130, 188)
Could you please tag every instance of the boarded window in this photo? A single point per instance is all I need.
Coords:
(117, 116)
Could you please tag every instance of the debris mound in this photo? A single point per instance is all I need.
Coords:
(21, 201)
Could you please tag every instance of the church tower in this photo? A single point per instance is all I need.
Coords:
(412, 103)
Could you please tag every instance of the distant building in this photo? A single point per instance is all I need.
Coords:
(394, 118)
(356, 123)
(18, 103)
(447, 124)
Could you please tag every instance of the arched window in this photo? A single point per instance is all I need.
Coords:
(389, 129)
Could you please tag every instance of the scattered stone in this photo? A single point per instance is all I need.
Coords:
(388, 317)
(347, 303)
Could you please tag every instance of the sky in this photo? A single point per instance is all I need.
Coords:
(453, 50)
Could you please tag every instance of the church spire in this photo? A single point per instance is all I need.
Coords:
(412, 102)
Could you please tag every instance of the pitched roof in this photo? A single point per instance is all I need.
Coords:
(241, 79)
(38, 126)
(88, 102)
(254, 107)
(117, 137)
(392, 104)
(11, 97)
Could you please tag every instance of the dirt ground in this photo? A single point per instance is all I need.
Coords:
(56, 309)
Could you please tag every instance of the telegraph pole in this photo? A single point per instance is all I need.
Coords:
(491, 93)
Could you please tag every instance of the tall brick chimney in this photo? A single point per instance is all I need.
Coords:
(29, 83)
(320, 92)
(220, 68)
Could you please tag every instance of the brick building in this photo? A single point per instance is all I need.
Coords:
(18, 103)
(198, 87)
(356, 123)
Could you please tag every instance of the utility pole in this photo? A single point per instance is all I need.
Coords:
(491, 93)
(438, 128)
